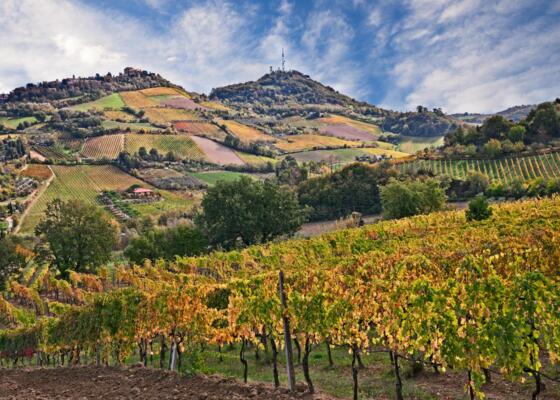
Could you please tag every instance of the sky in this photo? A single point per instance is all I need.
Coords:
(460, 55)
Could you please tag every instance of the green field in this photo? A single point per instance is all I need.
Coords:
(12, 123)
(343, 155)
(412, 144)
(133, 126)
(113, 101)
(213, 177)
(502, 170)
(181, 145)
(85, 182)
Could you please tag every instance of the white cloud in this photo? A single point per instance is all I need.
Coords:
(474, 57)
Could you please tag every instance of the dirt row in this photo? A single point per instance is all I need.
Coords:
(132, 383)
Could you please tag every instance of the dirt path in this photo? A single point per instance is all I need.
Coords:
(34, 196)
(216, 152)
(131, 383)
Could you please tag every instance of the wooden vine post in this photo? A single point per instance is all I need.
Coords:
(287, 337)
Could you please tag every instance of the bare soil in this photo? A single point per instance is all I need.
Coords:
(132, 383)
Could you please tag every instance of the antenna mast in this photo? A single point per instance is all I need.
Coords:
(283, 61)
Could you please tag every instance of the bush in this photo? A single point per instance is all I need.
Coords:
(404, 199)
(479, 209)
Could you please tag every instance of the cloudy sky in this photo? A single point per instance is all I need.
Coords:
(461, 55)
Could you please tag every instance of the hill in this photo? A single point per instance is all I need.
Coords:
(290, 93)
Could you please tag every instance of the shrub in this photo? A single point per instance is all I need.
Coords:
(479, 209)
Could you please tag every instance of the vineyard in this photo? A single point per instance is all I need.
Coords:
(54, 153)
(182, 146)
(166, 115)
(475, 300)
(77, 182)
(108, 146)
(502, 170)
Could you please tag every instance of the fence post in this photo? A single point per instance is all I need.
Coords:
(287, 337)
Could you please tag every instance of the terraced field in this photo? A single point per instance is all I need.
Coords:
(297, 143)
(108, 146)
(113, 101)
(246, 133)
(502, 170)
(182, 146)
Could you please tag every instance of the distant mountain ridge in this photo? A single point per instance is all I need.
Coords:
(515, 114)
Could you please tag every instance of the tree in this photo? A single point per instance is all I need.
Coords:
(154, 244)
(11, 259)
(247, 211)
(404, 199)
(354, 188)
(493, 148)
(496, 127)
(79, 235)
(478, 209)
(517, 133)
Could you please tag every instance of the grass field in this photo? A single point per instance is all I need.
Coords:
(246, 133)
(412, 144)
(85, 182)
(343, 155)
(182, 146)
(108, 146)
(212, 177)
(502, 170)
(167, 115)
(296, 143)
(133, 126)
(12, 123)
(113, 101)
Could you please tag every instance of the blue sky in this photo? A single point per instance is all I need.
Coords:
(461, 55)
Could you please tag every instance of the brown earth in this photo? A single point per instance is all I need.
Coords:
(132, 383)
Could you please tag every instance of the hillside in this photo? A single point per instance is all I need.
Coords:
(390, 289)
